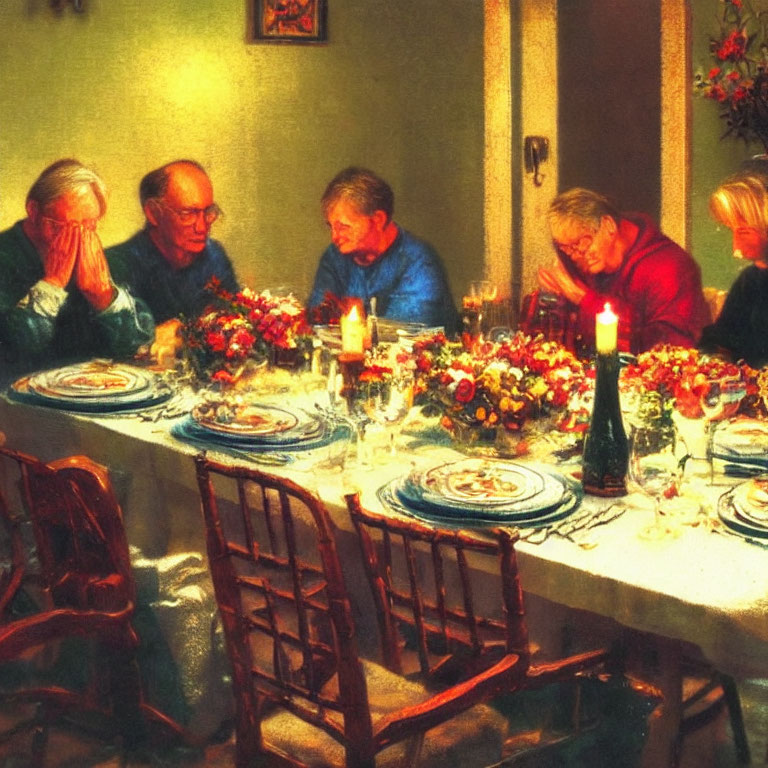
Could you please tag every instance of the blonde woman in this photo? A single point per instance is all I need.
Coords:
(741, 330)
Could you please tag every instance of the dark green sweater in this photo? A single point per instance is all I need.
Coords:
(29, 340)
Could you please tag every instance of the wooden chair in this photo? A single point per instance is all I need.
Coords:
(449, 603)
(71, 583)
(303, 695)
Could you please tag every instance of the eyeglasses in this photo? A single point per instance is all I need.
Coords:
(188, 216)
(580, 247)
(59, 224)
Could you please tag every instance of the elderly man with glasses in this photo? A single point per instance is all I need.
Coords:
(652, 284)
(169, 263)
(58, 300)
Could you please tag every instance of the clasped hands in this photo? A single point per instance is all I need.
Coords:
(558, 280)
(76, 251)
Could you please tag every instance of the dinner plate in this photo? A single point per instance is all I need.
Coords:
(96, 380)
(245, 420)
(188, 430)
(745, 438)
(483, 482)
(570, 501)
(750, 501)
(729, 516)
(412, 491)
(96, 406)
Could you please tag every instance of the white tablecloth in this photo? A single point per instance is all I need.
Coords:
(701, 587)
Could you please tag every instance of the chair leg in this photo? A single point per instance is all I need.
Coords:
(733, 703)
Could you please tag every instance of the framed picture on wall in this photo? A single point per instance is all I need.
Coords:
(289, 21)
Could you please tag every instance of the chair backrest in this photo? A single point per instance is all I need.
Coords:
(425, 592)
(78, 532)
(283, 603)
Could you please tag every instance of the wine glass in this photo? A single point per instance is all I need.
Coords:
(388, 403)
(654, 465)
(719, 401)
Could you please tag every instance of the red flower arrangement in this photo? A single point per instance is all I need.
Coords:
(683, 376)
(738, 81)
(497, 385)
(243, 327)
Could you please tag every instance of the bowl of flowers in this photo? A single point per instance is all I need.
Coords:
(242, 332)
(685, 377)
(496, 391)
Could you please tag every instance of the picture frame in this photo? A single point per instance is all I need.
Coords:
(289, 21)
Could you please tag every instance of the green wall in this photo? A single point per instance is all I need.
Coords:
(131, 84)
(713, 157)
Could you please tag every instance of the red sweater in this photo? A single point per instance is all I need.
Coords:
(656, 293)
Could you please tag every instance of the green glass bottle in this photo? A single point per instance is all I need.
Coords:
(606, 451)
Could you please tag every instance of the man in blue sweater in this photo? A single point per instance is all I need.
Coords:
(170, 262)
(371, 256)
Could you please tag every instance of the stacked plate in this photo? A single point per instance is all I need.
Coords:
(478, 492)
(253, 427)
(742, 441)
(97, 387)
(744, 509)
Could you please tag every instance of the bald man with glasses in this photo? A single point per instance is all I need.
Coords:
(652, 284)
(169, 263)
(58, 300)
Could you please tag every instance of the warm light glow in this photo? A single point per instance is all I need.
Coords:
(606, 330)
(352, 332)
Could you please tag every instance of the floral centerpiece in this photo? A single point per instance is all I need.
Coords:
(683, 376)
(738, 77)
(499, 386)
(245, 329)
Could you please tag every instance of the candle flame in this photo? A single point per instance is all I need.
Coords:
(353, 314)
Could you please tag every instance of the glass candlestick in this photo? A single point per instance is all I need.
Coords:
(606, 451)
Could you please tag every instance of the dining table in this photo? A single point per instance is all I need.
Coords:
(705, 587)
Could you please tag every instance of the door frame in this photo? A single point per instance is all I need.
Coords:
(520, 99)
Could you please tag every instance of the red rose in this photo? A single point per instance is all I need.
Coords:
(465, 391)
(216, 341)
(224, 376)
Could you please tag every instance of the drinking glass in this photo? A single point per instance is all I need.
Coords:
(654, 465)
(388, 403)
(719, 401)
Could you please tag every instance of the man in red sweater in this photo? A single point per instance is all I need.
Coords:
(651, 283)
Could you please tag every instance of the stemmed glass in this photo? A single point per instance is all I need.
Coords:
(388, 403)
(719, 401)
(654, 465)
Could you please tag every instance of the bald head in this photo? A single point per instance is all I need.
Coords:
(179, 206)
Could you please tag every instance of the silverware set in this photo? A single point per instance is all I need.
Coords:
(575, 527)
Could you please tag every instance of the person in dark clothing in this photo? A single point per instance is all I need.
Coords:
(58, 300)
(169, 263)
(740, 332)
(604, 256)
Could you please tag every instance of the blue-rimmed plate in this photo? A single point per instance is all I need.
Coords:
(569, 502)
(94, 380)
(95, 388)
(188, 430)
(481, 482)
(249, 420)
(549, 489)
(731, 518)
(742, 440)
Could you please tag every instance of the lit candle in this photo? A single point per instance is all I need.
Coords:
(606, 331)
(352, 332)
